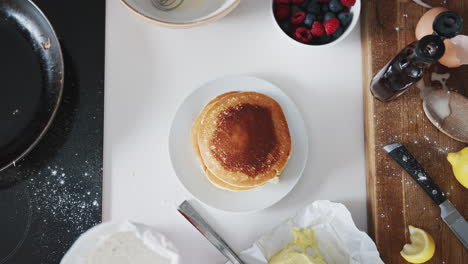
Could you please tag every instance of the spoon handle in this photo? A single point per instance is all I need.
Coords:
(187, 210)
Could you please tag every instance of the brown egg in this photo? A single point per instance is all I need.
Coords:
(424, 28)
(450, 58)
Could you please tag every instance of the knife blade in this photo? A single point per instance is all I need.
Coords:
(189, 212)
(455, 221)
(448, 213)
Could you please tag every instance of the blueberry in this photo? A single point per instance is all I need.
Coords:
(309, 20)
(313, 8)
(325, 7)
(339, 31)
(295, 9)
(320, 18)
(328, 15)
(345, 18)
(335, 6)
(285, 26)
(325, 39)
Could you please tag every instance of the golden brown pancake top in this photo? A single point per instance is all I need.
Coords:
(245, 140)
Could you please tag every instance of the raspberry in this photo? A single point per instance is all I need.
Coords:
(296, 2)
(282, 12)
(293, 31)
(348, 3)
(303, 35)
(317, 29)
(331, 25)
(282, 1)
(298, 18)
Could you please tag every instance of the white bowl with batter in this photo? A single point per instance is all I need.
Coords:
(121, 243)
(190, 12)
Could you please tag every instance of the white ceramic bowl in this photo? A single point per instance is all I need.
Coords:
(190, 13)
(355, 10)
(94, 237)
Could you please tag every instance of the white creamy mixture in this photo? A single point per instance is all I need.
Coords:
(439, 102)
(442, 78)
(424, 90)
(125, 248)
(461, 45)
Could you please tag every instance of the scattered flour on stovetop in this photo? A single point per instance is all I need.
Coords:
(56, 194)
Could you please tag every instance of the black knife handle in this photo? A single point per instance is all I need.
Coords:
(404, 158)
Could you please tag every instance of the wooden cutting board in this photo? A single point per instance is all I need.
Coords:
(394, 200)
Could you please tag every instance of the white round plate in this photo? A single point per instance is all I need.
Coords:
(187, 167)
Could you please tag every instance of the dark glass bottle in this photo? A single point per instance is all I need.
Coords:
(408, 66)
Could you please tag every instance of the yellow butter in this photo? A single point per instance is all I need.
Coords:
(299, 250)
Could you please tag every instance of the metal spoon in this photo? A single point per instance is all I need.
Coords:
(167, 5)
(187, 210)
(448, 111)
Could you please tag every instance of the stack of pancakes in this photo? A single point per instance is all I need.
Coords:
(242, 140)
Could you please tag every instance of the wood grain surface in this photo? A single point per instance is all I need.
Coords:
(394, 199)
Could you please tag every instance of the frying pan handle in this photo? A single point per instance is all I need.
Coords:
(404, 158)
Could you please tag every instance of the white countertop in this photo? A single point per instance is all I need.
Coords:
(149, 71)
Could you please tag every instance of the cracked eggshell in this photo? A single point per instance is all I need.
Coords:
(424, 28)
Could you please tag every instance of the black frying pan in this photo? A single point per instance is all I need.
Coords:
(31, 78)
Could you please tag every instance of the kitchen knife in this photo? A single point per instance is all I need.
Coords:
(187, 210)
(449, 213)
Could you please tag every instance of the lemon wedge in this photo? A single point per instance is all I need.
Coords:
(422, 246)
(459, 161)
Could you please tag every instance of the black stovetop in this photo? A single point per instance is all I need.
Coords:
(60, 194)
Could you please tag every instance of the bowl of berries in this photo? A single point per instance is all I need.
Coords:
(316, 22)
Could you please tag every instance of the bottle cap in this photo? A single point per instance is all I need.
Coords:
(448, 24)
(430, 48)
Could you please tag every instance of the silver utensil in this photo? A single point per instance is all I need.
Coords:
(167, 5)
(187, 210)
(448, 212)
